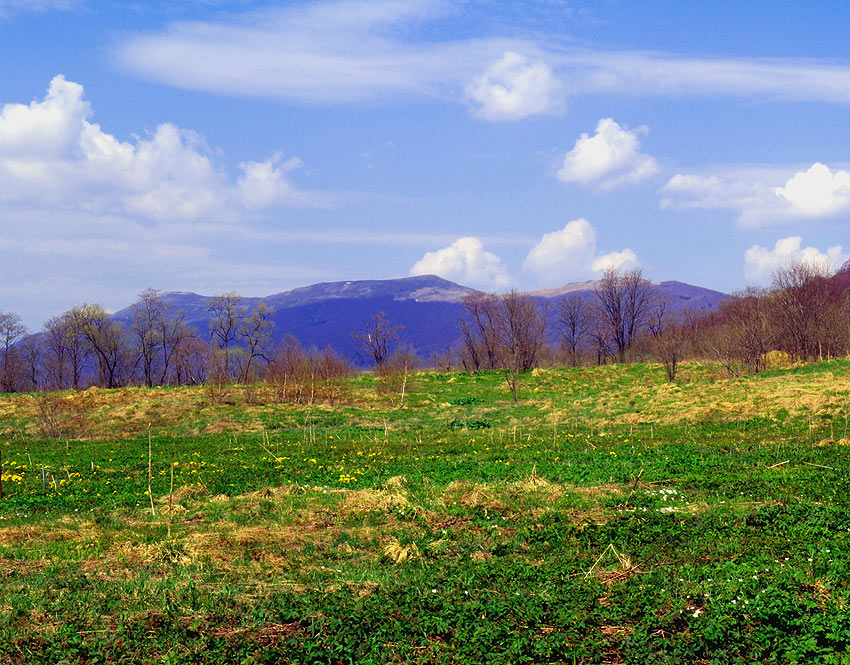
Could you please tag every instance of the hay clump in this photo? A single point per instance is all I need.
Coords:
(398, 553)
(185, 492)
(535, 483)
(395, 484)
(169, 552)
(367, 501)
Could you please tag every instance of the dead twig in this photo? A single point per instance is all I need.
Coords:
(150, 471)
(820, 466)
(634, 487)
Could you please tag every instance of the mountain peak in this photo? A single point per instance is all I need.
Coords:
(421, 288)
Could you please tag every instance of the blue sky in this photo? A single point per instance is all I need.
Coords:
(206, 146)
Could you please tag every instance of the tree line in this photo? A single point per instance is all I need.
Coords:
(803, 315)
(86, 346)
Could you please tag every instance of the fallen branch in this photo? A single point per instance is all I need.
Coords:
(773, 466)
(821, 466)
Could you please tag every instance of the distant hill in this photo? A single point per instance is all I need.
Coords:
(428, 307)
(681, 296)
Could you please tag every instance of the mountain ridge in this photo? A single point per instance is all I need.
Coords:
(427, 306)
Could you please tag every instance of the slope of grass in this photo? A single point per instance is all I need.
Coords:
(609, 517)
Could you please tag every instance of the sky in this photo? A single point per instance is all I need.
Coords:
(228, 145)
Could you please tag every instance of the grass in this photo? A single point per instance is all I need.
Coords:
(608, 518)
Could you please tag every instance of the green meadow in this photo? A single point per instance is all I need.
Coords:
(609, 517)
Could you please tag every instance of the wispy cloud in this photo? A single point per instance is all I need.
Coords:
(9, 7)
(351, 50)
(331, 51)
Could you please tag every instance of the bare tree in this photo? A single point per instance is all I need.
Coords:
(520, 333)
(670, 345)
(286, 370)
(12, 330)
(745, 332)
(157, 334)
(65, 352)
(800, 301)
(478, 331)
(600, 336)
(174, 335)
(146, 328)
(573, 324)
(394, 374)
(624, 299)
(228, 311)
(333, 372)
(107, 341)
(32, 349)
(191, 360)
(657, 315)
(375, 337)
(256, 331)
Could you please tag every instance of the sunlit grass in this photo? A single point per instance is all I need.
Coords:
(606, 518)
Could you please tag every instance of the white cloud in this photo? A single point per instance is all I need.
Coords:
(265, 183)
(817, 192)
(514, 88)
(754, 192)
(464, 261)
(51, 156)
(765, 79)
(326, 51)
(608, 158)
(760, 262)
(570, 254)
(624, 260)
(348, 50)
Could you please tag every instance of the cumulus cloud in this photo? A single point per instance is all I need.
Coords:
(51, 155)
(624, 260)
(755, 194)
(608, 158)
(464, 261)
(265, 183)
(817, 192)
(570, 254)
(514, 88)
(761, 262)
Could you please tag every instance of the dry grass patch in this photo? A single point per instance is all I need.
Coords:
(15, 567)
(625, 568)
(44, 534)
(183, 493)
(535, 483)
(596, 492)
(398, 553)
(367, 501)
